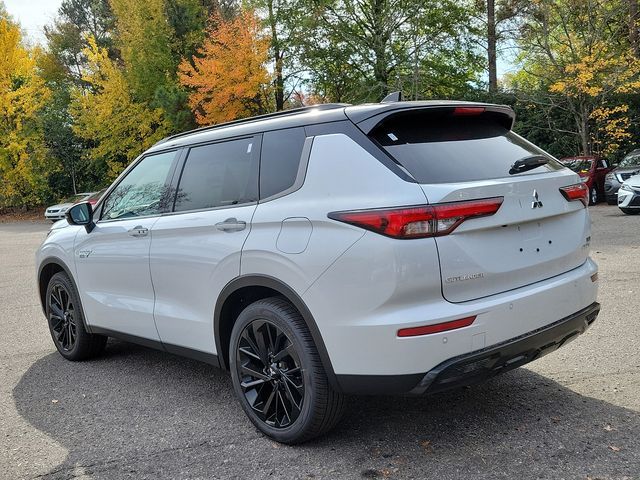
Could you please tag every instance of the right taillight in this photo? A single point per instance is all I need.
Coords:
(419, 221)
(576, 192)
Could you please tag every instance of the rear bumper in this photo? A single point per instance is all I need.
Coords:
(480, 365)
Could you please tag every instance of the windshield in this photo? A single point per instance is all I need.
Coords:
(578, 165)
(631, 160)
(74, 198)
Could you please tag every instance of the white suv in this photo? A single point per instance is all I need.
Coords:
(400, 247)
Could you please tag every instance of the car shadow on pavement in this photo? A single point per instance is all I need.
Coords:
(139, 413)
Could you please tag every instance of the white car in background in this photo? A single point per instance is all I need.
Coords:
(629, 196)
(57, 212)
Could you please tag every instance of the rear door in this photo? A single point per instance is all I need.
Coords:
(468, 154)
(195, 250)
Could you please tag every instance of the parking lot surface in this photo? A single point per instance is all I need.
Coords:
(139, 413)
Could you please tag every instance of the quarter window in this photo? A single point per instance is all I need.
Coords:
(219, 175)
(280, 160)
(144, 191)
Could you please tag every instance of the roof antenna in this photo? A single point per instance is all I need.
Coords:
(392, 97)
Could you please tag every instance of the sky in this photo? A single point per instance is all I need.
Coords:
(33, 15)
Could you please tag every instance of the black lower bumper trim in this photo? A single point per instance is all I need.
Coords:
(475, 367)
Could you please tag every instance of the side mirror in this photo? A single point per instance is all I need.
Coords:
(81, 214)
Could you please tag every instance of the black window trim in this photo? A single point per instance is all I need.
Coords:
(168, 182)
(177, 175)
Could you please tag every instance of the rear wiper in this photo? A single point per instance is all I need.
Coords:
(528, 163)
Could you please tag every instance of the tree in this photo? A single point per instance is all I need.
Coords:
(108, 116)
(145, 39)
(24, 165)
(572, 49)
(228, 78)
(67, 35)
(389, 38)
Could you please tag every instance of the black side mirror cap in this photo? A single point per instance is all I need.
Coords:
(81, 214)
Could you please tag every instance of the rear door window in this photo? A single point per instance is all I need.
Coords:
(280, 160)
(438, 146)
(219, 175)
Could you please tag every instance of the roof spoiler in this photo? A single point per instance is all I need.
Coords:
(367, 121)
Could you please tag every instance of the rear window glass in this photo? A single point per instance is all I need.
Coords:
(578, 165)
(436, 146)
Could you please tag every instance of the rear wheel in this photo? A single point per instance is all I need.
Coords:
(593, 196)
(631, 211)
(278, 376)
(66, 322)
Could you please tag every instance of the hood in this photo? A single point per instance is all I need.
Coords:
(633, 181)
(60, 224)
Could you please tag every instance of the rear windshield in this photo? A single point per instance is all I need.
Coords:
(578, 165)
(438, 146)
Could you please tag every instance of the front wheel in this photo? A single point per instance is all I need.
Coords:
(278, 376)
(593, 196)
(66, 323)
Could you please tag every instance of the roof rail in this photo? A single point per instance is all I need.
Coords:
(282, 113)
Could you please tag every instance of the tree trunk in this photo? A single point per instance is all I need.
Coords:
(491, 46)
(380, 67)
(633, 27)
(278, 59)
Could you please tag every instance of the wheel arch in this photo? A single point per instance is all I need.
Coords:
(47, 269)
(242, 291)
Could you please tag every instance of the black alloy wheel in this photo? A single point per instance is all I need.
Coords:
(66, 321)
(270, 372)
(277, 374)
(61, 317)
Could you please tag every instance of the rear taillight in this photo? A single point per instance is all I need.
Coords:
(577, 191)
(421, 221)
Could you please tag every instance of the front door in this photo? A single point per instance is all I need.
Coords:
(112, 261)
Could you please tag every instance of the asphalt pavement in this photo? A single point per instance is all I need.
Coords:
(140, 413)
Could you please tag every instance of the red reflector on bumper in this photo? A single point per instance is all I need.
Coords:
(436, 328)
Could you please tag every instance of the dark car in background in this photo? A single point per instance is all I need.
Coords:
(627, 168)
(592, 171)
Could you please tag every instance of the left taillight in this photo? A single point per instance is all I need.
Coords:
(576, 192)
(419, 221)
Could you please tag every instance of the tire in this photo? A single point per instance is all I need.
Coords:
(295, 377)
(630, 211)
(66, 321)
(593, 196)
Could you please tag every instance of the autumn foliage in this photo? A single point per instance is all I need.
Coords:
(228, 78)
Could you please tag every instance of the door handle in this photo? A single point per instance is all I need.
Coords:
(231, 225)
(139, 231)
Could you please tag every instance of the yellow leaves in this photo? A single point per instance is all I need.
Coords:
(228, 78)
(612, 124)
(22, 95)
(120, 127)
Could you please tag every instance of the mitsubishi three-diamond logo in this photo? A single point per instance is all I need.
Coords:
(536, 201)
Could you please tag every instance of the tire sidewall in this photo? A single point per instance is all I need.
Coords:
(266, 312)
(62, 279)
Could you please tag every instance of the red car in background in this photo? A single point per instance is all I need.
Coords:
(592, 170)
